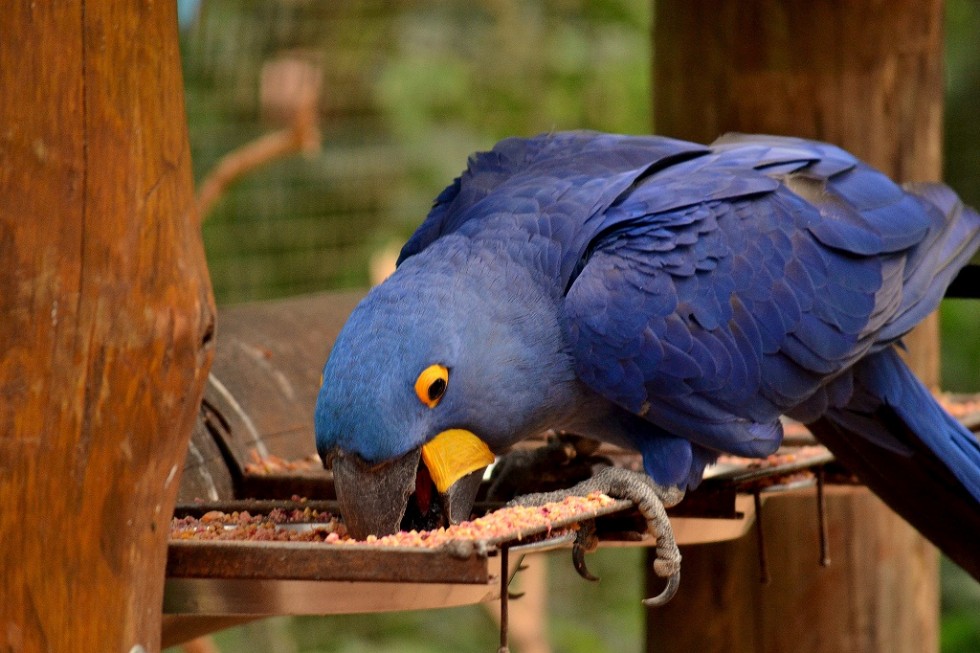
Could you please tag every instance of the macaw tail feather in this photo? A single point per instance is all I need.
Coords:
(924, 464)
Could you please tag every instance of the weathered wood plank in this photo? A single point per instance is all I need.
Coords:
(105, 320)
(861, 602)
(317, 561)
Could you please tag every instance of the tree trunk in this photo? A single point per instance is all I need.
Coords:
(106, 320)
(866, 76)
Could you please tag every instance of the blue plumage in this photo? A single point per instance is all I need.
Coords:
(672, 297)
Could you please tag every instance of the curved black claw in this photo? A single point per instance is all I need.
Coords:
(578, 561)
(651, 500)
(586, 541)
(673, 582)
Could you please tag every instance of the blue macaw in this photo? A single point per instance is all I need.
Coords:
(666, 296)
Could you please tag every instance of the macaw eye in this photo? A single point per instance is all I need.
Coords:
(431, 384)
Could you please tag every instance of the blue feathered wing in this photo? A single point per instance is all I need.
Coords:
(712, 319)
(715, 317)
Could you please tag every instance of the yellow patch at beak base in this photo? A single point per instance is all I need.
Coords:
(453, 454)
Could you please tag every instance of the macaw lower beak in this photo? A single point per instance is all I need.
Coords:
(374, 497)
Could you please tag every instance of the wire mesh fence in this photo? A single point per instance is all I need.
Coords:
(404, 92)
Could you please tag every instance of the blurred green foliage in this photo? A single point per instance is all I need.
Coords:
(960, 319)
(410, 89)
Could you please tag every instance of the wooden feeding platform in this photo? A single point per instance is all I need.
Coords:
(290, 577)
(250, 458)
(292, 568)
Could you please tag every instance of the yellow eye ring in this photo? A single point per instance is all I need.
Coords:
(432, 384)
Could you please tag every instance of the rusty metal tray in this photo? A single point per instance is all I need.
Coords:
(261, 578)
(229, 577)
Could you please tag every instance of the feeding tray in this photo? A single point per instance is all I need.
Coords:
(245, 577)
(231, 577)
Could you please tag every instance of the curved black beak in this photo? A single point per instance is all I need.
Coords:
(374, 497)
(459, 497)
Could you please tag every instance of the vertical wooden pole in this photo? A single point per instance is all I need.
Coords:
(867, 76)
(106, 318)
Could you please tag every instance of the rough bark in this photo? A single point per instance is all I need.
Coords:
(106, 320)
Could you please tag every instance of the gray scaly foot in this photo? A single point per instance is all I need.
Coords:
(651, 500)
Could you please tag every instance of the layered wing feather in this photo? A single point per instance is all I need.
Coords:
(714, 318)
(557, 186)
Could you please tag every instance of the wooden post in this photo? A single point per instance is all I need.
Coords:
(866, 76)
(106, 320)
